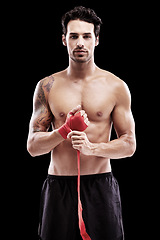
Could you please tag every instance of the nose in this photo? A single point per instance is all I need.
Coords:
(80, 42)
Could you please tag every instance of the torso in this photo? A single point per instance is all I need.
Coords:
(97, 97)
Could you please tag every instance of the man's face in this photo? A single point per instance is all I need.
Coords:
(80, 40)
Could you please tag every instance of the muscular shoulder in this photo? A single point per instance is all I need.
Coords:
(42, 89)
(121, 91)
(119, 88)
(45, 84)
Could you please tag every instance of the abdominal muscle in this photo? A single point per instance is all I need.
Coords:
(64, 157)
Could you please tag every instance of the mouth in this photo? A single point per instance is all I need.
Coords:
(80, 51)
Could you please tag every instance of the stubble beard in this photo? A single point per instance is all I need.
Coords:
(80, 58)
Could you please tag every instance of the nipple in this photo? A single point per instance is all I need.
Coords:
(99, 114)
(61, 114)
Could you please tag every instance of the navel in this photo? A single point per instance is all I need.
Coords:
(99, 114)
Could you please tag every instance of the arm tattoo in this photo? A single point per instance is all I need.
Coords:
(41, 99)
(41, 106)
(48, 86)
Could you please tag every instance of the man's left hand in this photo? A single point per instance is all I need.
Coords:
(80, 142)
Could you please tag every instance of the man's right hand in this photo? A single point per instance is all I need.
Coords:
(76, 110)
(76, 120)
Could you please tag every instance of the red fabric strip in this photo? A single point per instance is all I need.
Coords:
(82, 227)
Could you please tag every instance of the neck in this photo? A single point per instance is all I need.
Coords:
(81, 70)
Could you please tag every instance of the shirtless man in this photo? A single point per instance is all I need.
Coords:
(102, 99)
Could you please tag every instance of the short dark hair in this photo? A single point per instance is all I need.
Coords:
(83, 14)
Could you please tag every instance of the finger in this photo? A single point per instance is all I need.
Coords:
(72, 133)
(77, 143)
(74, 110)
(85, 118)
(77, 138)
(86, 121)
(78, 133)
(82, 113)
(77, 147)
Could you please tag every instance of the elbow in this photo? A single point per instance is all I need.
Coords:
(132, 150)
(131, 147)
(31, 153)
(34, 148)
(30, 149)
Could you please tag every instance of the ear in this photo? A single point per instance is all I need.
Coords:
(97, 41)
(64, 40)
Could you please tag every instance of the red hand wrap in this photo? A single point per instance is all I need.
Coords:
(75, 122)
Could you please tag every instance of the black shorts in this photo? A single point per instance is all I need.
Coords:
(101, 203)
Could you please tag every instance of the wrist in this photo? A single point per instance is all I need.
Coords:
(93, 149)
(64, 130)
(97, 149)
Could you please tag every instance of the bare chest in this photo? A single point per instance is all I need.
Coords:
(96, 98)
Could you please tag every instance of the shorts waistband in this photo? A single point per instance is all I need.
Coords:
(90, 176)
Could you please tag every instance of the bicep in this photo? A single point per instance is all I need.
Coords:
(122, 117)
(123, 121)
(42, 115)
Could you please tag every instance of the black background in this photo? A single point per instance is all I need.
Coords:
(122, 52)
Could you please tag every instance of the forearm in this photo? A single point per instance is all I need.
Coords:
(115, 149)
(40, 143)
